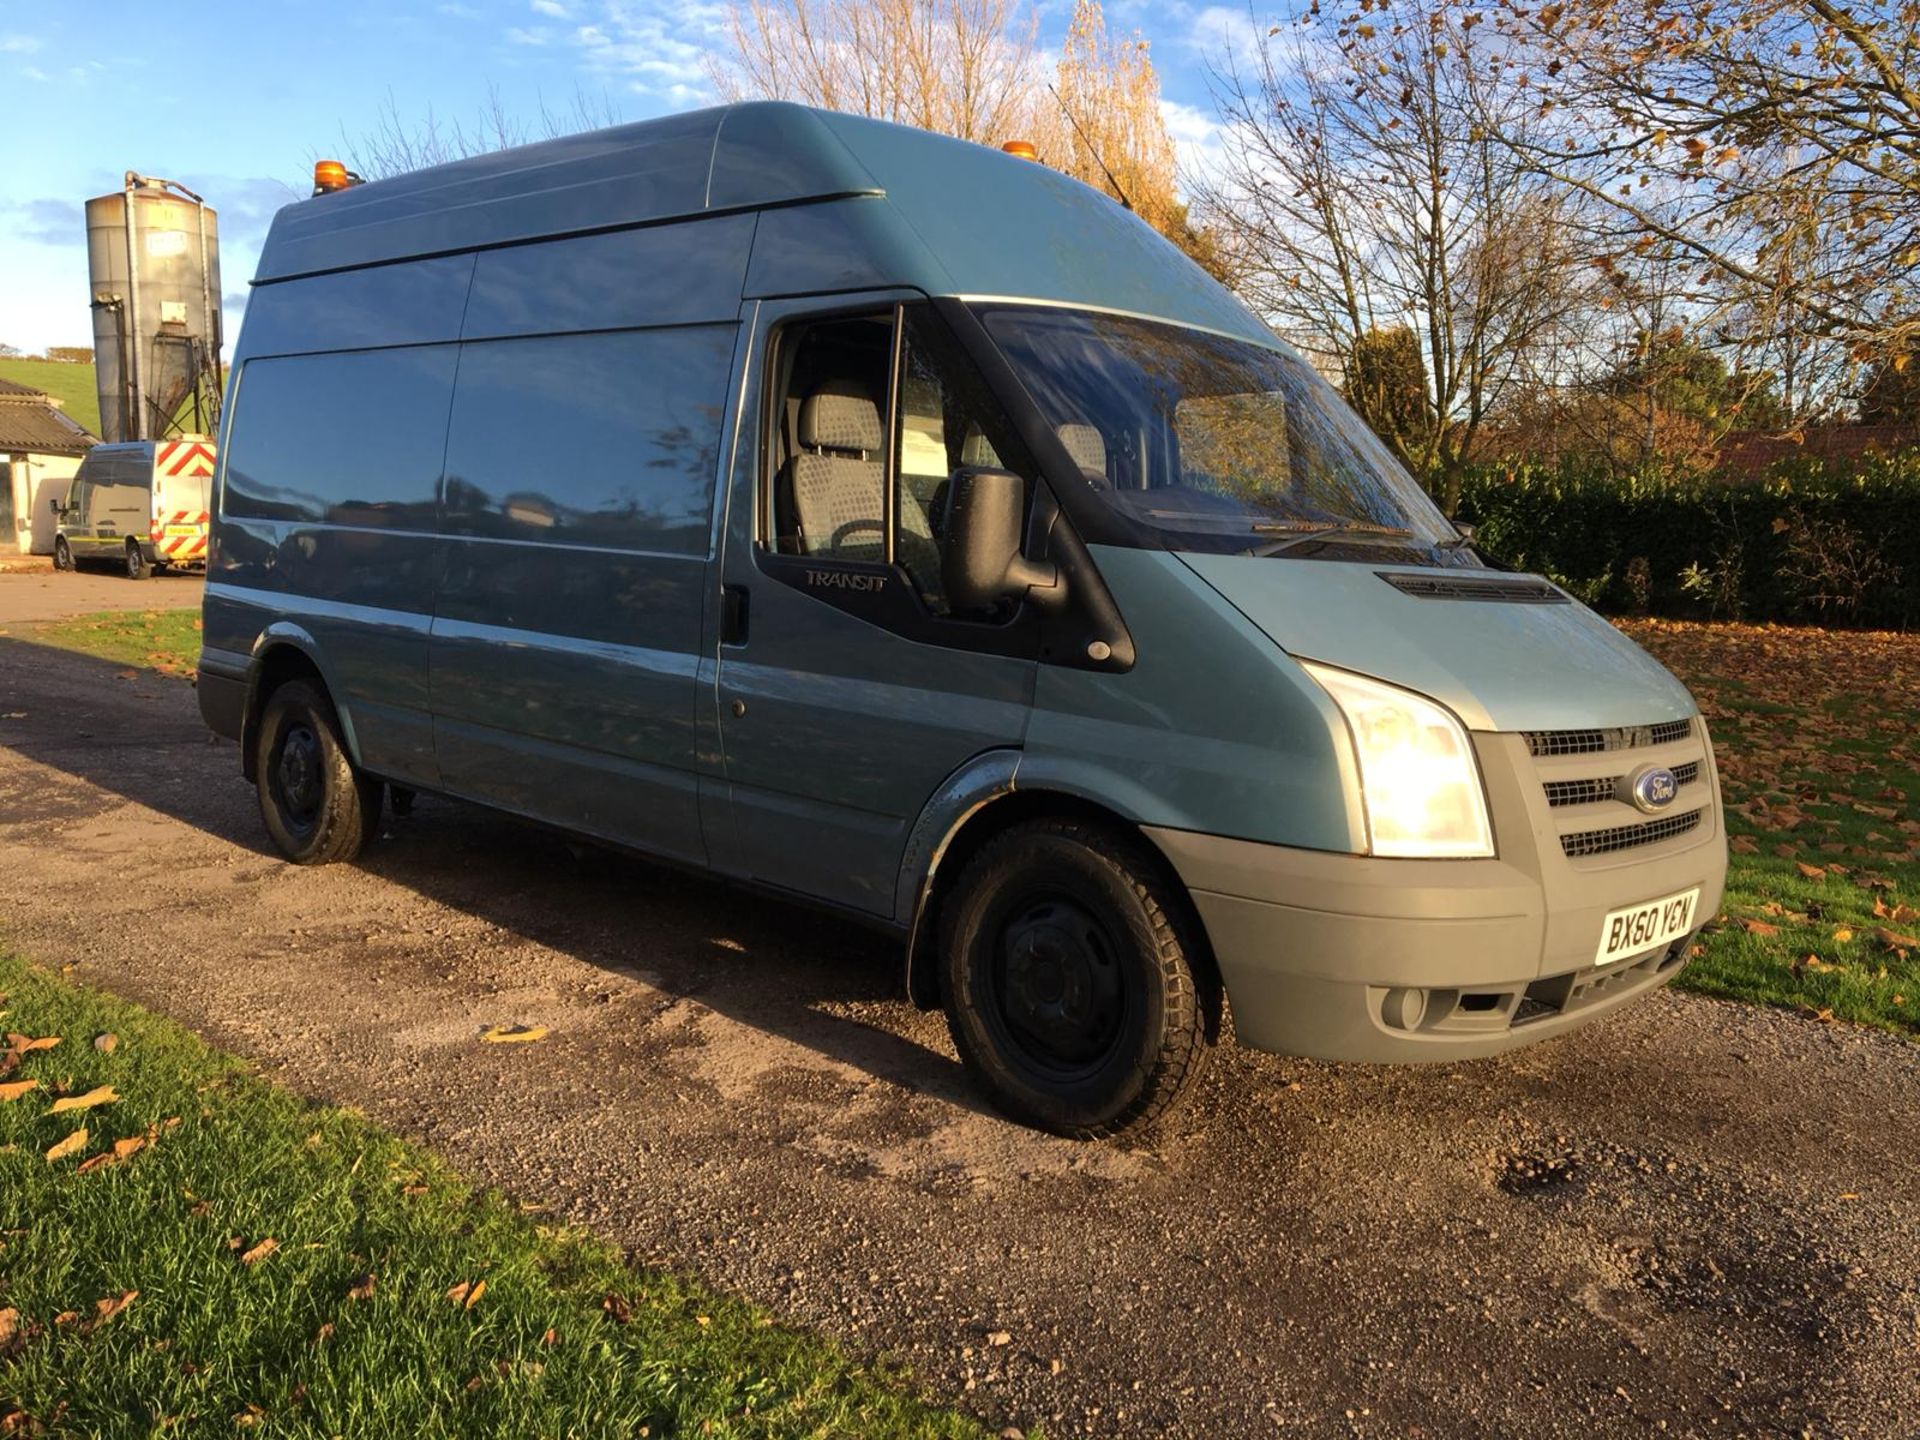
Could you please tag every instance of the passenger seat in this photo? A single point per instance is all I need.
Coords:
(1088, 451)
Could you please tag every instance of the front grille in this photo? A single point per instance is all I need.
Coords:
(1625, 837)
(1543, 743)
(1607, 787)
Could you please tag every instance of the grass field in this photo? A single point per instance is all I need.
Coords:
(163, 640)
(188, 1250)
(1819, 753)
(73, 385)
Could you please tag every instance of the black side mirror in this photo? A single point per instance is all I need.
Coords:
(57, 505)
(981, 563)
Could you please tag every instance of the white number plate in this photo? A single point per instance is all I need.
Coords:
(1640, 928)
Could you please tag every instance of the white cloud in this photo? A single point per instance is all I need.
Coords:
(1219, 31)
(658, 47)
(538, 36)
(19, 44)
(1196, 137)
(34, 72)
(455, 10)
(551, 8)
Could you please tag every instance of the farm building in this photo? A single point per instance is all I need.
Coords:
(40, 448)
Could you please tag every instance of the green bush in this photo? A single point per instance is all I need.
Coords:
(1832, 546)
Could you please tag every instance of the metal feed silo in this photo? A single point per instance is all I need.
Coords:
(153, 267)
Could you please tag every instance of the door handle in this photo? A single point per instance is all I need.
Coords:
(733, 614)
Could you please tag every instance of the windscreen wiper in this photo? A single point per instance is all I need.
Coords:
(1299, 532)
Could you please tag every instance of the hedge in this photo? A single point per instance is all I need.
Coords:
(1838, 545)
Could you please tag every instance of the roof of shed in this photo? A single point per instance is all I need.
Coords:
(32, 424)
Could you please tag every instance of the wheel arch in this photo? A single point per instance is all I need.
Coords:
(989, 808)
(282, 652)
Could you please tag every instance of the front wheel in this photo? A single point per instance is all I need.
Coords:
(137, 566)
(62, 553)
(317, 807)
(1068, 981)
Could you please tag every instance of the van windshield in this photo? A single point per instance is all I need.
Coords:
(1193, 441)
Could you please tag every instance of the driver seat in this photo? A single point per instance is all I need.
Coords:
(838, 477)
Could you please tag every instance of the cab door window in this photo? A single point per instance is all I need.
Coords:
(875, 413)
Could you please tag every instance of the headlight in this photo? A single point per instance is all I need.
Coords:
(1419, 782)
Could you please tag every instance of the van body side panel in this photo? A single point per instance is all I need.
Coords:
(578, 519)
(415, 303)
(1206, 732)
(329, 523)
(838, 245)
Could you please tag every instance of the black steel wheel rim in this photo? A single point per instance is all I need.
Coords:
(298, 786)
(1058, 988)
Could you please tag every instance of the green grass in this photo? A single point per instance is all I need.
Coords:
(163, 640)
(565, 1339)
(1819, 755)
(73, 385)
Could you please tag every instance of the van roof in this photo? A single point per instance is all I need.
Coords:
(952, 217)
(739, 157)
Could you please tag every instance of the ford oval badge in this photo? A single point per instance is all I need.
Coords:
(1654, 788)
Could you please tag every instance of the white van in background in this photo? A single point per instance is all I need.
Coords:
(143, 504)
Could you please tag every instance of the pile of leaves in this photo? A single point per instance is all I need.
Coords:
(1818, 748)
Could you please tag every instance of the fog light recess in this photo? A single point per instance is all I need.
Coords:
(1404, 1009)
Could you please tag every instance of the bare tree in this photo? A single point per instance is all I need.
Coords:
(398, 144)
(961, 67)
(973, 69)
(1773, 143)
(1358, 201)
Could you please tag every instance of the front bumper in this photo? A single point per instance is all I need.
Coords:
(1347, 957)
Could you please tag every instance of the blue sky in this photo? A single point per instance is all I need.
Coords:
(234, 100)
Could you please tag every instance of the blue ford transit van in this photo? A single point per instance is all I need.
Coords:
(895, 524)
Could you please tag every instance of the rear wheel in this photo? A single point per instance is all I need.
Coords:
(137, 566)
(1068, 983)
(317, 807)
(62, 553)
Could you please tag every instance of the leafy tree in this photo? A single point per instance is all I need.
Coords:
(1675, 372)
(71, 354)
(1387, 385)
(1892, 392)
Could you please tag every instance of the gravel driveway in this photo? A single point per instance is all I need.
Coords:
(1693, 1218)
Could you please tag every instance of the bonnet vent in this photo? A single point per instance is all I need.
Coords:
(1495, 589)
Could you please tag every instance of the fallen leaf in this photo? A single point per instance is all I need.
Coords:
(1843, 934)
(324, 1333)
(362, 1288)
(1755, 927)
(10, 1327)
(1743, 845)
(60, 1149)
(25, 1043)
(106, 1043)
(1812, 872)
(105, 1310)
(513, 1034)
(467, 1293)
(617, 1307)
(703, 1321)
(1895, 941)
(99, 1095)
(260, 1252)
(14, 1089)
(551, 1338)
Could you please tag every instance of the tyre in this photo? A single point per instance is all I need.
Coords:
(1068, 982)
(137, 566)
(62, 553)
(317, 807)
